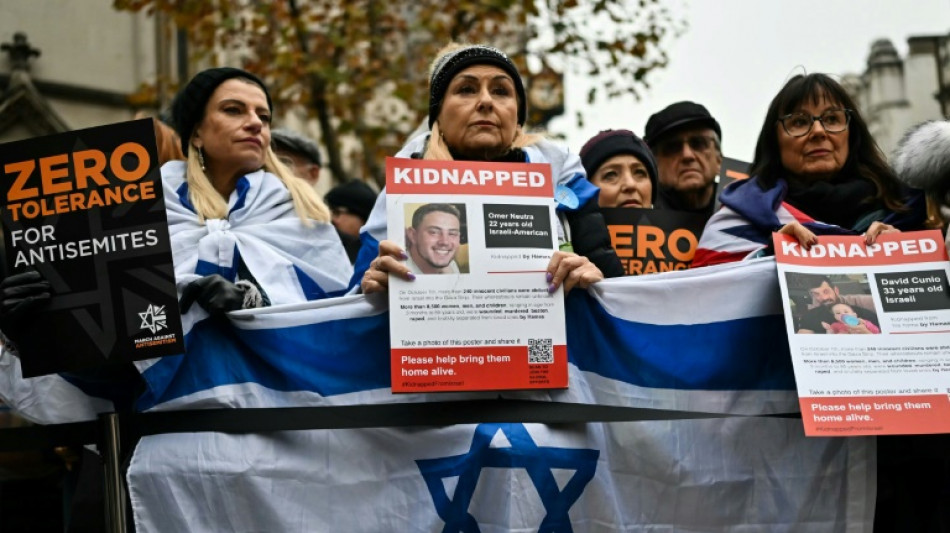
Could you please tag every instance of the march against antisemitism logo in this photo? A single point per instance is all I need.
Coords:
(521, 452)
(153, 318)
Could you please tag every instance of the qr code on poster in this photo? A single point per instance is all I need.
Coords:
(540, 351)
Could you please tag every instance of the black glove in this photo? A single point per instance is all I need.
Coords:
(214, 293)
(22, 294)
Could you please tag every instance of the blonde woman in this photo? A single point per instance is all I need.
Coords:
(245, 232)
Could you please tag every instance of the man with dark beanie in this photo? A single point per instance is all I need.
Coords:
(350, 204)
(622, 166)
(687, 143)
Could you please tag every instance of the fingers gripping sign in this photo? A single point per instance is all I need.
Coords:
(878, 228)
(391, 260)
(806, 238)
(571, 270)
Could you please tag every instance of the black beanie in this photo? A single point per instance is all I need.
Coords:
(189, 106)
(354, 195)
(458, 60)
(609, 143)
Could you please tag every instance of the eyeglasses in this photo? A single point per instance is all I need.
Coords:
(799, 124)
(696, 143)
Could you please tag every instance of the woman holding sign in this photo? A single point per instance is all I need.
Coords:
(477, 111)
(245, 232)
(816, 171)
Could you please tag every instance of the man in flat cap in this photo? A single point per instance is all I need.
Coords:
(297, 152)
(300, 154)
(686, 141)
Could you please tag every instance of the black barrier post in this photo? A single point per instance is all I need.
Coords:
(115, 496)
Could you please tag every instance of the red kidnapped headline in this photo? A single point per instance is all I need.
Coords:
(888, 249)
(417, 176)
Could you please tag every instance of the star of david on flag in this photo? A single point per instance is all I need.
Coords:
(488, 450)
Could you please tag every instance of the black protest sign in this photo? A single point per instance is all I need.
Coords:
(85, 210)
(653, 240)
(730, 171)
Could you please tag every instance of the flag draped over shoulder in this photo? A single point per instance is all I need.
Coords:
(706, 340)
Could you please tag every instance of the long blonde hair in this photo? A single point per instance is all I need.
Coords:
(209, 204)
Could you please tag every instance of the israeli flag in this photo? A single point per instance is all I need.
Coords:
(707, 340)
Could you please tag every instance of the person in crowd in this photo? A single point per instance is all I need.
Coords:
(477, 112)
(922, 161)
(847, 321)
(245, 231)
(687, 143)
(298, 153)
(166, 140)
(816, 171)
(433, 239)
(824, 296)
(622, 166)
(168, 143)
(350, 205)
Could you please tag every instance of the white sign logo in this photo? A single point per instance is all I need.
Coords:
(153, 319)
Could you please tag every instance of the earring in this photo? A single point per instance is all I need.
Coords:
(201, 159)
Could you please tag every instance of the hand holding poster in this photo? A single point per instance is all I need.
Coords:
(84, 209)
(479, 315)
(869, 331)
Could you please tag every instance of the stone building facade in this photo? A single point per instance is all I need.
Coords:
(69, 65)
(895, 93)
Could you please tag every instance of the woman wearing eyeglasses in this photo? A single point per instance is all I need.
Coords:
(816, 171)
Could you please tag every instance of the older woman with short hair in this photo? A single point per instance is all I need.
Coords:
(816, 171)
(477, 111)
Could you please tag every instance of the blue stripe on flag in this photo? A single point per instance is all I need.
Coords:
(743, 354)
(207, 268)
(352, 355)
(326, 358)
(241, 187)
